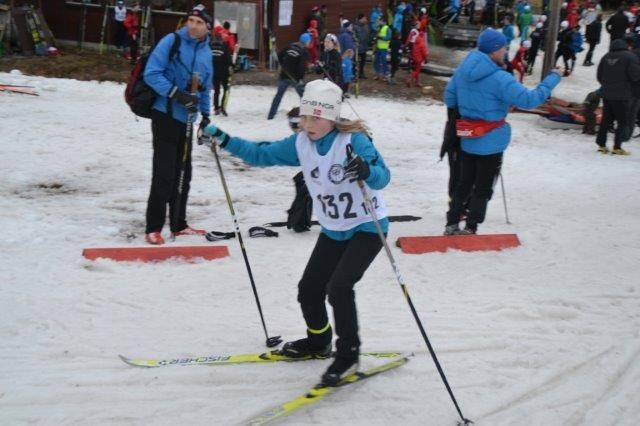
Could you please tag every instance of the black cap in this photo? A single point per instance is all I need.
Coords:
(201, 12)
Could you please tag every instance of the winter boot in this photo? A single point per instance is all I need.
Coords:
(467, 231)
(189, 231)
(217, 111)
(341, 367)
(451, 229)
(154, 238)
(620, 151)
(603, 150)
(224, 112)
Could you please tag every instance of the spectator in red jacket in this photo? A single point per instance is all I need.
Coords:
(229, 37)
(131, 25)
(518, 62)
(314, 47)
(419, 54)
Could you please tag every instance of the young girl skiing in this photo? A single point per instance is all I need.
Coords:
(348, 241)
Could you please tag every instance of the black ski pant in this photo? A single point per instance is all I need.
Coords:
(362, 60)
(566, 55)
(478, 176)
(332, 271)
(217, 83)
(531, 59)
(454, 171)
(169, 136)
(121, 34)
(592, 47)
(613, 110)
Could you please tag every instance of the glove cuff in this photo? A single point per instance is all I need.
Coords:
(224, 139)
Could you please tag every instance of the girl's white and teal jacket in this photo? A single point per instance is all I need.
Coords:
(284, 152)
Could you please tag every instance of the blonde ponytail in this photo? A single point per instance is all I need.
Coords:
(352, 126)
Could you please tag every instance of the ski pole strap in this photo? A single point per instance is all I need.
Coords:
(259, 231)
(217, 236)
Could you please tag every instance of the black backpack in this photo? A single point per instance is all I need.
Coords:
(299, 214)
(138, 94)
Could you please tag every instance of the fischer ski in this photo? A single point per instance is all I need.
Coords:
(320, 391)
(257, 358)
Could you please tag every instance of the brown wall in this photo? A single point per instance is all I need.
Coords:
(302, 9)
(64, 19)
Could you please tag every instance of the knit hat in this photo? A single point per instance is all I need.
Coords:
(346, 23)
(491, 40)
(539, 25)
(201, 12)
(526, 44)
(305, 38)
(564, 25)
(321, 98)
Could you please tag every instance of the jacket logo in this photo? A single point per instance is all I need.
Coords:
(315, 173)
(336, 174)
(612, 61)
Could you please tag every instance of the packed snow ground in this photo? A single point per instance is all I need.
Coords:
(547, 333)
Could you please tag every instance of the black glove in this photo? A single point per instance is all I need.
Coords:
(188, 100)
(357, 168)
(202, 138)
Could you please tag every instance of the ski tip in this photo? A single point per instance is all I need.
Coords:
(133, 363)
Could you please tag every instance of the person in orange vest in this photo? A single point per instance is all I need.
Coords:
(131, 24)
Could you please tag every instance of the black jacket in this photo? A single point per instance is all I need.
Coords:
(617, 25)
(221, 58)
(331, 66)
(593, 32)
(618, 72)
(537, 37)
(292, 61)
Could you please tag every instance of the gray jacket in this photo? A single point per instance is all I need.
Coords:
(362, 32)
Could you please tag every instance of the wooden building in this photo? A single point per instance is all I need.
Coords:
(252, 20)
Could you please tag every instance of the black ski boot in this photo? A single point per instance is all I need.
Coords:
(341, 367)
(305, 348)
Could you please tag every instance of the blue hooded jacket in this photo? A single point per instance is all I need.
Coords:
(162, 74)
(481, 90)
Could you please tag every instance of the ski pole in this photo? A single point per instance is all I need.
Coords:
(185, 152)
(405, 290)
(504, 201)
(271, 341)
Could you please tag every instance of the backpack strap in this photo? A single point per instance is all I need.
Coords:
(173, 53)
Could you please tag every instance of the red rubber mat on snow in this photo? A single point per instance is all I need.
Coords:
(154, 254)
(419, 245)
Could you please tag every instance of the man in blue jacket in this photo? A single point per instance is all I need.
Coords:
(170, 77)
(483, 92)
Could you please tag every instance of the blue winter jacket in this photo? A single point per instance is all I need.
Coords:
(576, 42)
(373, 18)
(283, 153)
(397, 19)
(162, 74)
(509, 33)
(482, 90)
(454, 6)
(346, 40)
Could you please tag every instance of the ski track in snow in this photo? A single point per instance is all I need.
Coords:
(546, 333)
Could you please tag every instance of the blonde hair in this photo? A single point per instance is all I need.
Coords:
(352, 126)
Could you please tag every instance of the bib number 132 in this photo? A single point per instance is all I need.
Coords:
(332, 207)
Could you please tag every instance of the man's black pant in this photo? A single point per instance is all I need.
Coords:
(613, 110)
(531, 59)
(217, 82)
(362, 60)
(475, 188)
(168, 151)
(592, 47)
(333, 270)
